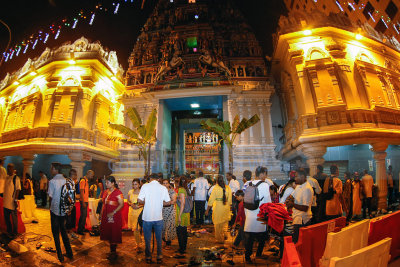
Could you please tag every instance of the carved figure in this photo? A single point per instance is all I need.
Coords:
(167, 66)
(215, 63)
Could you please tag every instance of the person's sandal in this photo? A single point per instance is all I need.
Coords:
(148, 261)
(159, 261)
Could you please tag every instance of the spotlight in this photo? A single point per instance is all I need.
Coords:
(72, 62)
(307, 32)
(194, 105)
(358, 36)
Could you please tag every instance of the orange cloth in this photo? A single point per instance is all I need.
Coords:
(333, 206)
(84, 188)
(368, 182)
(356, 198)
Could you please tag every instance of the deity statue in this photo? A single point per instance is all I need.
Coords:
(214, 62)
(167, 66)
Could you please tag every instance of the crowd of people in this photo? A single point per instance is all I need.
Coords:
(168, 207)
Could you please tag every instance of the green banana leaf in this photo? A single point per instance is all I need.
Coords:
(151, 125)
(134, 116)
(124, 130)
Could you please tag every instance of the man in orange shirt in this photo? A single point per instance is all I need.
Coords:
(84, 200)
(333, 205)
(368, 183)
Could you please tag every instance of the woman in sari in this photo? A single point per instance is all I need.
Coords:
(220, 201)
(134, 211)
(111, 217)
(169, 229)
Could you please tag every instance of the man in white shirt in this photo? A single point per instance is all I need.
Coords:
(301, 201)
(200, 187)
(43, 184)
(3, 175)
(154, 196)
(254, 229)
(11, 191)
(57, 218)
(316, 191)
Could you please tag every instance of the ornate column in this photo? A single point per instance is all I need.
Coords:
(77, 163)
(28, 164)
(262, 127)
(251, 134)
(269, 124)
(314, 154)
(240, 107)
(379, 150)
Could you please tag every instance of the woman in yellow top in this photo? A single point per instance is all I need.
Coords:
(134, 211)
(221, 201)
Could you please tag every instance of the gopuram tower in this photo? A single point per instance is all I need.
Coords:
(196, 60)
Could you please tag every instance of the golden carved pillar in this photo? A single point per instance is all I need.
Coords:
(379, 150)
(314, 154)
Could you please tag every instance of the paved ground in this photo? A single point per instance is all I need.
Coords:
(90, 251)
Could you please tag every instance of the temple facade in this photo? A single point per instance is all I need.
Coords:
(340, 88)
(201, 55)
(57, 108)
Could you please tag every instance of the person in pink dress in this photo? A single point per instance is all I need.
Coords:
(111, 217)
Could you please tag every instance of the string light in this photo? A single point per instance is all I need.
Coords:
(55, 28)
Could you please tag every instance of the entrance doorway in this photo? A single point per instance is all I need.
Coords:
(192, 148)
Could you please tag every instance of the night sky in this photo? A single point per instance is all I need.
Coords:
(117, 32)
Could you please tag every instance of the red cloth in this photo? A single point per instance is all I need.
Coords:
(290, 257)
(111, 231)
(3, 226)
(88, 224)
(277, 214)
(386, 226)
(125, 211)
(240, 216)
(312, 240)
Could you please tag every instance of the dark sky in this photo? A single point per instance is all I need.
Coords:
(117, 32)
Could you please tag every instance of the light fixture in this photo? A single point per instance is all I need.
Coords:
(33, 73)
(196, 16)
(197, 112)
(307, 32)
(358, 36)
(194, 105)
(72, 62)
(16, 83)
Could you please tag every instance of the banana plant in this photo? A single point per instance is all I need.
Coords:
(228, 132)
(141, 136)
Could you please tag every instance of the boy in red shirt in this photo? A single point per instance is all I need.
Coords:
(240, 218)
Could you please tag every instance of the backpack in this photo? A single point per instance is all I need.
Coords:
(188, 204)
(251, 198)
(329, 195)
(67, 198)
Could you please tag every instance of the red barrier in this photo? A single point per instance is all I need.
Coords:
(386, 226)
(3, 227)
(312, 240)
(290, 257)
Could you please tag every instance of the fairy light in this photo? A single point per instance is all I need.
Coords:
(75, 22)
(12, 54)
(26, 48)
(34, 44)
(57, 34)
(91, 19)
(6, 59)
(116, 9)
(45, 38)
(19, 50)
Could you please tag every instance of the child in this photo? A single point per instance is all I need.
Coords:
(273, 191)
(240, 218)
